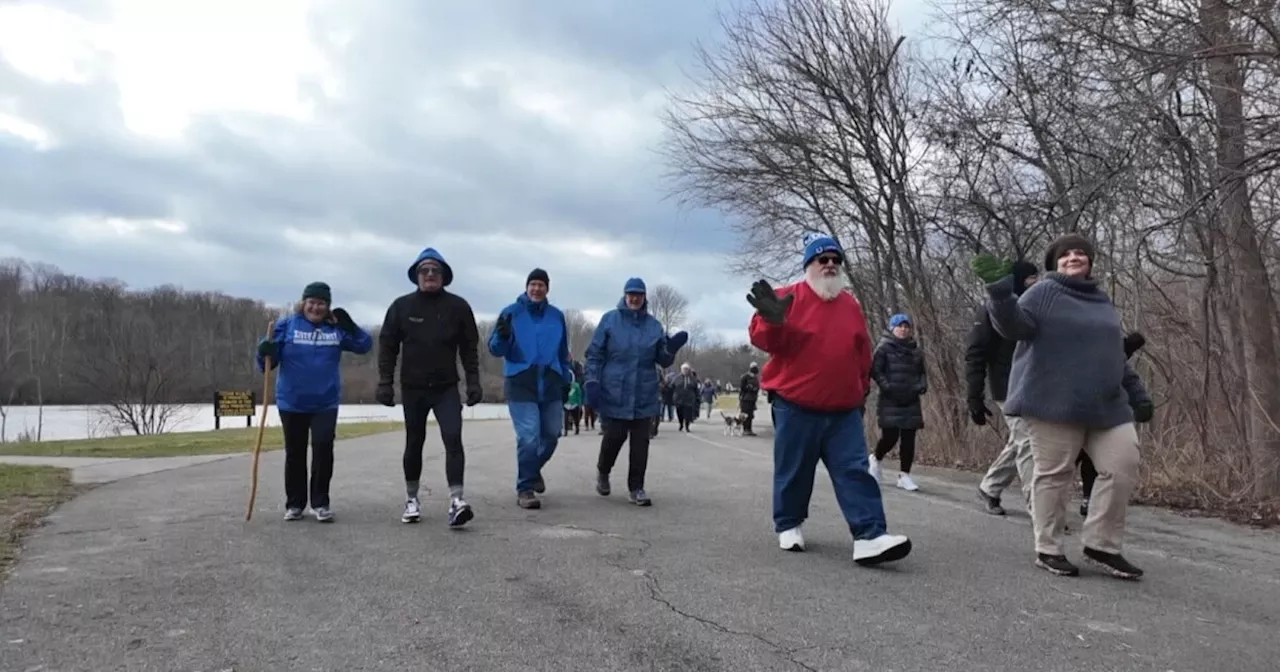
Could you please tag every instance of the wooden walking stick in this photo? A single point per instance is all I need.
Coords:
(262, 423)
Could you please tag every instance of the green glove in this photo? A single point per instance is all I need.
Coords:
(989, 268)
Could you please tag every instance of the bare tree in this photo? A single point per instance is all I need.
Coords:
(669, 306)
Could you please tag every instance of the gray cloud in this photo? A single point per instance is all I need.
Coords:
(508, 134)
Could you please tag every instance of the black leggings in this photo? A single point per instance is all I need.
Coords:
(299, 428)
(446, 404)
(906, 440)
(1088, 474)
(616, 432)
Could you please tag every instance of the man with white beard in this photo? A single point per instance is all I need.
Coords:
(818, 374)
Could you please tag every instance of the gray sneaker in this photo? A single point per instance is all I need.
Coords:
(293, 514)
(602, 484)
(323, 514)
(528, 500)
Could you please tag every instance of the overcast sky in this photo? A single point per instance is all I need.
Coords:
(251, 147)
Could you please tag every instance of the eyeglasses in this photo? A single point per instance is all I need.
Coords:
(827, 260)
(430, 271)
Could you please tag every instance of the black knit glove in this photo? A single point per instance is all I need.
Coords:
(344, 321)
(978, 412)
(1133, 342)
(767, 303)
(1143, 411)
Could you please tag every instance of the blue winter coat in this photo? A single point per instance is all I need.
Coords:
(309, 380)
(536, 366)
(624, 355)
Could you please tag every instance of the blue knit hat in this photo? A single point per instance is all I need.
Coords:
(899, 320)
(634, 286)
(817, 243)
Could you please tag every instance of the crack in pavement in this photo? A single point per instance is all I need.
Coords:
(655, 594)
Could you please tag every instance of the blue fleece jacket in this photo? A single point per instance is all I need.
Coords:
(624, 356)
(537, 365)
(309, 380)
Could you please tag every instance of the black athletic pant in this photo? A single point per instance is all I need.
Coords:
(319, 429)
(1088, 474)
(617, 432)
(446, 404)
(906, 440)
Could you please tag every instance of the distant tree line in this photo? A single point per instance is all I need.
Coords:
(139, 354)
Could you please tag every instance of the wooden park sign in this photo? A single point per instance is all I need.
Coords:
(234, 404)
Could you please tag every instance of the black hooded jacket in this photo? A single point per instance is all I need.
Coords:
(899, 371)
(429, 333)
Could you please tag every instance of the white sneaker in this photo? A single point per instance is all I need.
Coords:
(791, 540)
(293, 514)
(323, 514)
(884, 548)
(905, 482)
(412, 511)
(873, 466)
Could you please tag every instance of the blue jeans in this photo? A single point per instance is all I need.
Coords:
(801, 438)
(538, 425)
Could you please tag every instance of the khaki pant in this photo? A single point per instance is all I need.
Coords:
(1054, 447)
(1014, 460)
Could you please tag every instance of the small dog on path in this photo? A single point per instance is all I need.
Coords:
(733, 423)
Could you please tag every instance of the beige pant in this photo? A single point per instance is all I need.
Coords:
(1014, 460)
(1054, 447)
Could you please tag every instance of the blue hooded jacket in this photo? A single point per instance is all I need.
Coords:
(309, 380)
(624, 356)
(537, 366)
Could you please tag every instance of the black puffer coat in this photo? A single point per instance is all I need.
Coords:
(898, 369)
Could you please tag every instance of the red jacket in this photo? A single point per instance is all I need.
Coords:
(820, 357)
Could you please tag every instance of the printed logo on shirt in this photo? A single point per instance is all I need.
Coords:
(317, 337)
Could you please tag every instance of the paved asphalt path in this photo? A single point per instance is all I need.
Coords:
(161, 573)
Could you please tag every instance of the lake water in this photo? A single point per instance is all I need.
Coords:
(83, 422)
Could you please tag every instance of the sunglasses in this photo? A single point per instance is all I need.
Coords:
(430, 271)
(827, 260)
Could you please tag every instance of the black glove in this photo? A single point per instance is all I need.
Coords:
(386, 394)
(1143, 411)
(767, 303)
(474, 394)
(269, 349)
(1133, 342)
(503, 327)
(978, 412)
(344, 321)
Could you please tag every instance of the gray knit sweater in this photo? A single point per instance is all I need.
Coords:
(1069, 364)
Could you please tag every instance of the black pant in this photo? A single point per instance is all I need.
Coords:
(446, 404)
(616, 432)
(1088, 474)
(572, 420)
(684, 414)
(319, 428)
(906, 440)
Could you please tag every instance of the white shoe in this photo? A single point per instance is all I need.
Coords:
(884, 548)
(293, 514)
(791, 540)
(905, 482)
(412, 511)
(873, 466)
(323, 514)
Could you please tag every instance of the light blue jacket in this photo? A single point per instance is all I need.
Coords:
(536, 364)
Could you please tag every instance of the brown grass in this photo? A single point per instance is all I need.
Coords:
(27, 494)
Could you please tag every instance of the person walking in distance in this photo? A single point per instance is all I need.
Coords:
(819, 371)
(987, 359)
(532, 338)
(623, 360)
(709, 395)
(428, 331)
(899, 372)
(749, 397)
(686, 396)
(307, 347)
(1071, 384)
